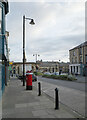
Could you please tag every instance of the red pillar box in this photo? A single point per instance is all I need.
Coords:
(28, 80)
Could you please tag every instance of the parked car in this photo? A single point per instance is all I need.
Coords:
(20, 77)
(52, 73)
(34, 78)
(47, 73)
(55, 73)
(64, 73)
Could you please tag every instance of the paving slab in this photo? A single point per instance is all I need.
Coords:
(39, 113)
(72, 98)
(19, 103)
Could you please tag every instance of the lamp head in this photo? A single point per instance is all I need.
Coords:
(32, 22)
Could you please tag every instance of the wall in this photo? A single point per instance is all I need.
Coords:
(3, 72)
(0, 51)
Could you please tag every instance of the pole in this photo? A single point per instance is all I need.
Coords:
(56, 99)
(36, 64)
(39, 88)
(24, 50)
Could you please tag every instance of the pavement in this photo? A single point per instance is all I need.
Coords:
(17, 102)
(0, 108)
(72, 98)
(81, 79)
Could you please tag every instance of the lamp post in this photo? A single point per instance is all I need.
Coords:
(59, 67)
(32, 23)
(36, 60)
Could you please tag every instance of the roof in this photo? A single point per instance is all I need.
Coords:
(52, 64)
(22, 63)
(79, 46)
(47, 64)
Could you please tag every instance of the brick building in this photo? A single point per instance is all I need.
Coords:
(52, 66)
(17, 67)
(78, 59)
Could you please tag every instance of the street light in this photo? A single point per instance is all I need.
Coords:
(59, 67)
(32, 23)
(36, 60)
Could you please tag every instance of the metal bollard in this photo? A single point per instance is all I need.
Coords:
(56, 99)
(39, 89)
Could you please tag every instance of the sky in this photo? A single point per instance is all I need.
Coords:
(59, 26)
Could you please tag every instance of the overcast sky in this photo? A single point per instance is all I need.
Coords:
(59, 26)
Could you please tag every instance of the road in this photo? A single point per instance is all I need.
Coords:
(68, 84)
(71, 94)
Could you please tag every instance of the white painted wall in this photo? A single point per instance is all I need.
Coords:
(27, 67)
(75, 68)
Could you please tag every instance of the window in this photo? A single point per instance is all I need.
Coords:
(86, 50)
(71, 69)
(73, 53)
(72, 60)
(80, 50)
(80, 59)
(86, 59)
(77, 69)
(56, 67)
(53, 69)
(75, 59)
(74, 69)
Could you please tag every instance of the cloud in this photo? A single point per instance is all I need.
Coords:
(58, 27)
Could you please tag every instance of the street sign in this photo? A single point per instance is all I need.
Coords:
(10, 63)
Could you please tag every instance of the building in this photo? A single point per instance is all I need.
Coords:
(48, 66)
(17, 67)
(64, 67)
(78, 59)
(6, 53)
(4, 9)
(40, 66)
(52, 66)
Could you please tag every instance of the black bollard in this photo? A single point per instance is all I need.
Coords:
(56, 99)
(39, 89)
